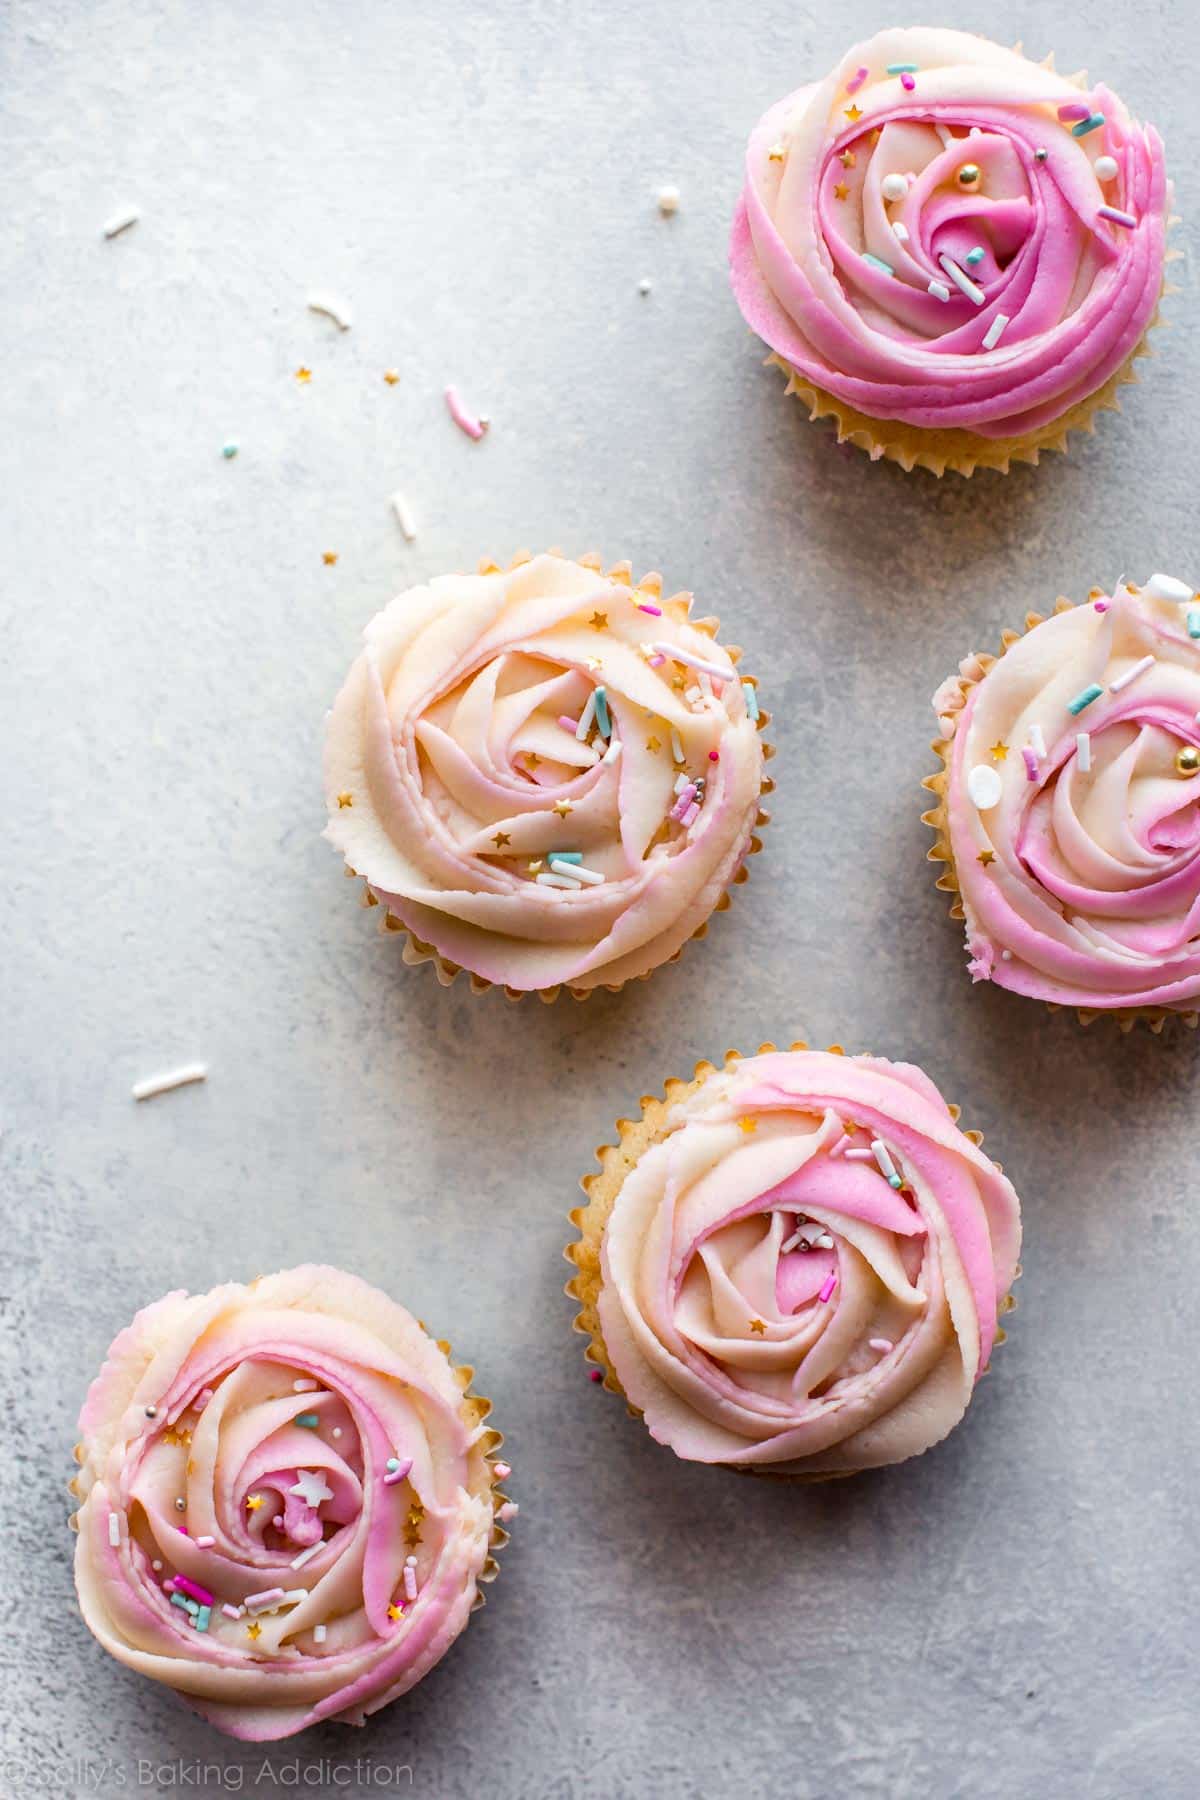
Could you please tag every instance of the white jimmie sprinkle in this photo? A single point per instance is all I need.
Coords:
(162, 1084)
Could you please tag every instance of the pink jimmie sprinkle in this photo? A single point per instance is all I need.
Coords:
(1117, 216)
(501, 1471)
(1031, 765)
(466, 421)
(595, 1375)
(691, 815)
(844, 1143)
(570, 725)
(657, 661)
(827, 1286)
(908, 82)
(231, 1612)
(654, 611)
(687, 795)
(883, 1345)
(205, 1543)
(190, 1587)
(856, 81)
(410, 1582)
(1075, 109)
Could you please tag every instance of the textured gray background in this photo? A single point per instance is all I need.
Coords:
(1010, 1614)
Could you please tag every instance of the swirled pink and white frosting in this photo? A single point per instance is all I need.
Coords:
(1073, 804)
(804, 1275)
(495, 722)
(861, 187)
(245, 1536)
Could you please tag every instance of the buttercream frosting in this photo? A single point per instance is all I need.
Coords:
(1078, 863)
(803, 1275)
(860, 188)
(286, 1501)
(495, 722)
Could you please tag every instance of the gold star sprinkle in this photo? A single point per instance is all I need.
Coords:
(303, 374)
(652, 743)
(535, 866)
(776, 153)
(532, 758)
(391, 376)
(345, 800)
(562, 808)
(395, 1612)
(853, 113)
(987, 858)
(678, 683)
(998, 751)
(599, 621)
(501, 838)
(757, 1326)
(253, 1631)
(748, 1125)
(329, 557)
(253, 1502)
(847, 159)
(840, 191)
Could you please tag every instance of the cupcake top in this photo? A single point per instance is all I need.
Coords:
(546, 773)
(804, 1275)
(1072, 803)
(286, 1501)
(945, 234)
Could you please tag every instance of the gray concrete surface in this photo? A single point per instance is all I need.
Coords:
(1012, 1614)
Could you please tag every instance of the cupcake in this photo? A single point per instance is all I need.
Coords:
(954, 252)
(545, 775)
(1069, 805)
(287, 1501)
(794, 1265)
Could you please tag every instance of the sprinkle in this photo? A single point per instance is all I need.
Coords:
(162, 1084)
(267, 1597)
(975, 255)
(501, 1471)
(202, 1399)
(984, 786)
(1105, 168)
(474, 427)
(644, 285)
(894, 187)
(900, 231)
(331, 308)
(1167, 587)
(397, 1470)
(310, 1421)
(1031, 764)
(1102, 606)
(508, 1511)
(156, 1565)
(205, 1543)
(1093, 123)
(692, 661)
(1193, 621)
(1037, 740)
(903, 68)
(1123, 681)
(877, 262)
(589, 877)
(1075, 109)
(751, 700)
(318, 1634)
(294, 1596)
(1040, 155)
(568, 725)
(655, 611)
(887, 1167)
(994, 331)
(114, 1530)
(586, 717)
(595, 1375)
(613, 751)
(842, 1144)
(944, 132)
(304, 1384)
(298, 1562)
(233, 1612)
(686, 795)
(1089, 693)
(557, 881)
(860, 1156)
(202, 1618)
(121, 222)
(856, 81)
(1083, 751)
(1117, 216)
(151, 1412)
(676, 745)
(939, 290)
(179, 1601)
(404, 517)
(199, 1594)
(229, 450)
(603, 720)
(907, 82)
(714, 756)
(391, 376)
(410, 1582)
(691, 815)
(336, 1432)
(883, 1345)
(668, 201)
(827, 1286)
(962, 280)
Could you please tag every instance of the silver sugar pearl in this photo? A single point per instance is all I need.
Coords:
(151, 1412)
(180, 1504)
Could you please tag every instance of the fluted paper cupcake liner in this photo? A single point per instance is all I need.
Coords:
(971, 671)
(415, 952)
(617, 1160)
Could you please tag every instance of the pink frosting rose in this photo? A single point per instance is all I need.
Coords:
(804, 1275)
(1047, 200)
(286, 1502)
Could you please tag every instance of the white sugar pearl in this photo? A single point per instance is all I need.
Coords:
(894, 187)
(1106, 168)
(983, 785)
(668, 199)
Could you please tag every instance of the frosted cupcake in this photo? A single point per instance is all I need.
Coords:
(545, 775)
(287, 1501)
(954, 252)
(1069, 805)
(795, 1265)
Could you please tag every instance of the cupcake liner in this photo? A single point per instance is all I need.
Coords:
(634, 1138)
(415, 952)
(953, 695)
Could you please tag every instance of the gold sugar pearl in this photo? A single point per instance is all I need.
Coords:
(969, 175)
(1187, 760)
